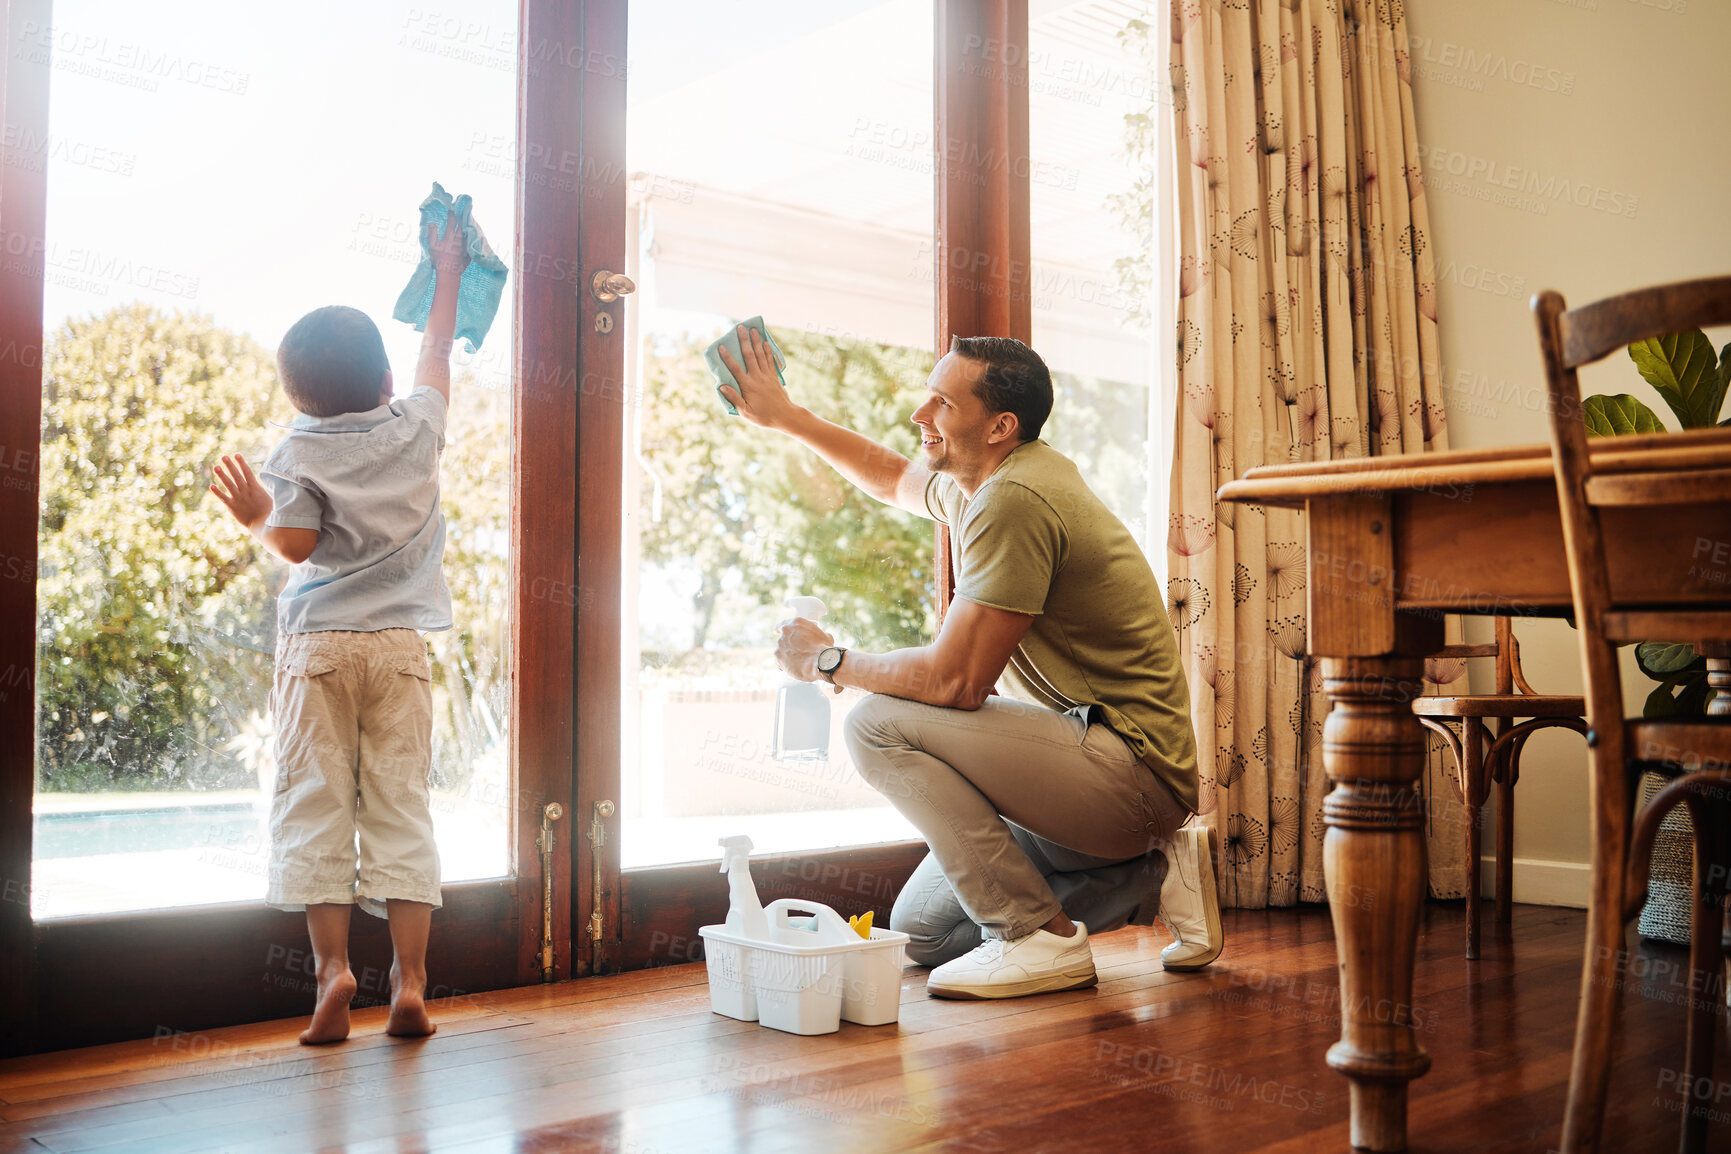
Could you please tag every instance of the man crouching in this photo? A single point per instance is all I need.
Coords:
(1065, 798)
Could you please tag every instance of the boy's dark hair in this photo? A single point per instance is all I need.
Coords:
(1016, 380)
(332, 361)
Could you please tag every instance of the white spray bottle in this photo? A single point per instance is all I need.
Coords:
(744, 912)
(802, 707)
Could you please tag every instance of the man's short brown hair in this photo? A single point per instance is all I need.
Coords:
(1016, 380)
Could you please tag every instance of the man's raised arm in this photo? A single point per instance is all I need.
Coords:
(879, 471)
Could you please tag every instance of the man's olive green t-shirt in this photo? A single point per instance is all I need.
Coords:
(1034, 539)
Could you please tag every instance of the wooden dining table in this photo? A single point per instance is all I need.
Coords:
(1395, 544)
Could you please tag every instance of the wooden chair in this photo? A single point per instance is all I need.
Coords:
(1482, 757)
(1694, 751)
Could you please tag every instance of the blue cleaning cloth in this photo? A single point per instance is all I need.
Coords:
(483, 281)
(730, 342)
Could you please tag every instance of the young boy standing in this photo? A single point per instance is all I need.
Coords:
(351, 499)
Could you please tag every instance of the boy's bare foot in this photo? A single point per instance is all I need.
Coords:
(331, 1015)
(408, 1007)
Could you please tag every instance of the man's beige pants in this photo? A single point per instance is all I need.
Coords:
(1017, 803)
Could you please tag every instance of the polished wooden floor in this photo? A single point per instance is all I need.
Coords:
(1226, 1060)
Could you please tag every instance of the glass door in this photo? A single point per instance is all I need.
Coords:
(813, 210)
(777, 162)
(1094, 201)
(210, 175)
(173, 265)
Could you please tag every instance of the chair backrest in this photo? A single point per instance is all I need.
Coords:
(1506, 649)
(1568, 339)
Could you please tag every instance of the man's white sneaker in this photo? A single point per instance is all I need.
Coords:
(1037, 963)
(1188, 903)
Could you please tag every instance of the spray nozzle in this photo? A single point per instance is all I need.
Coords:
(810, 608)
(735, 848)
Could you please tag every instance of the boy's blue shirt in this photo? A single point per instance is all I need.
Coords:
(369, 483)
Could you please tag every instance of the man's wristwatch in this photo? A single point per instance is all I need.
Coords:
(828, 661)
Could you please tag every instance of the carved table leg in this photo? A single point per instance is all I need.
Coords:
(1374, 750)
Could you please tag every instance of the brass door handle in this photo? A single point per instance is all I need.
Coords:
(608, 286)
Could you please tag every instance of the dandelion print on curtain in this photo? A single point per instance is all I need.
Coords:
(1306, 331)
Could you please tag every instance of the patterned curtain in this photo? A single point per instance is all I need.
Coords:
(1307, 331)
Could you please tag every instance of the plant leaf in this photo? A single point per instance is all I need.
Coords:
(1686, 373)
(1608, 416)
(1658, 659)
(1660, 703)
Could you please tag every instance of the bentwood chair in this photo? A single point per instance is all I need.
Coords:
(1483, 756)
(1691, 490)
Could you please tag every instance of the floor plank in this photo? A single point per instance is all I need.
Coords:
(1227, 1060)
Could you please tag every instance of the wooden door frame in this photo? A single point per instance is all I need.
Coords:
(23, 214)
(984, 246)
(549, 585)
(205, 966)
(981, 264)
(984, 249)
(599, 28)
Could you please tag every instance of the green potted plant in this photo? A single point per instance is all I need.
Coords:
(1692, 381)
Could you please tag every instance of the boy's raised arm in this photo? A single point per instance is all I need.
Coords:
(450, 258)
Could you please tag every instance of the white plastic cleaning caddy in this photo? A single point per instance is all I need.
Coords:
(808, 971)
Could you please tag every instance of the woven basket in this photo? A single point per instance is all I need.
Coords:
(1670, 884)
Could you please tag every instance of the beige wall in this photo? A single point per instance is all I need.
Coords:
(1627, 101)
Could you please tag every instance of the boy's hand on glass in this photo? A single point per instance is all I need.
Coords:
(237, 488)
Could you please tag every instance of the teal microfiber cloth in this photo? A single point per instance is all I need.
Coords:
(483, 281)
(730, 341)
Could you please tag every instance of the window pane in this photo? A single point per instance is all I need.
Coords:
(212, 176)
(1090, 104)
(813, 210)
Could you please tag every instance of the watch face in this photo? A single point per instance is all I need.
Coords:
(829, 660)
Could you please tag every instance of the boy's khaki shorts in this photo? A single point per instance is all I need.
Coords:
(354, 742)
